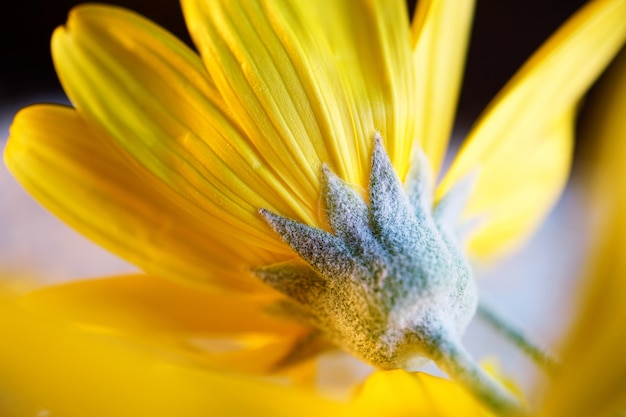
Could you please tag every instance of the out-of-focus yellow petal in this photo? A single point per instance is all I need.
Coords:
(141, 88)
(57, 158)
(593, 376)
(311, 82)
(222, 331)
(515, 145)
(505, 221)
(49, 368)
(399, 393)
(440, 36)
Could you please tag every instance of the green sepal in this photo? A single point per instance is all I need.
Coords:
(387, 280)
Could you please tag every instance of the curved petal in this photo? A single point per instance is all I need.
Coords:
(593, 376)
(440, 33)
(58, 159)
(311, 82)
(54, 369)
(501, 222)
(142, 89)
(218, 330)
(523, 122)
(400, 393)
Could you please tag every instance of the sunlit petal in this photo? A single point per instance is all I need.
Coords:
(440, 35)
(514, 141)
(311, 82)
(149, 94)
(66, 166)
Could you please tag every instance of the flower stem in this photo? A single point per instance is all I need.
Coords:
(516, 336)
(453, 359)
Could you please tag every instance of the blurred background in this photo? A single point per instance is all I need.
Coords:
(533, 289)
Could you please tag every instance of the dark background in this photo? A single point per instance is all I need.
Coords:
(505, 33)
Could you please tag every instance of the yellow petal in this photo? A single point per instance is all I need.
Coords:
(142, 89)
(58, 159)
(503, 222)
(311, 82)
(440, 32)
(49, 368)
(593, 378)
(371, 50)
(520, 147)
(222, 331)
(399, 393)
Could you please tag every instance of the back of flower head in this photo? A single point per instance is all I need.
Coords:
(390, 284)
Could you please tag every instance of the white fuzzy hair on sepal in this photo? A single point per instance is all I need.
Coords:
(390, 283)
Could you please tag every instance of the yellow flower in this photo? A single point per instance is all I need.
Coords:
(167, 158)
